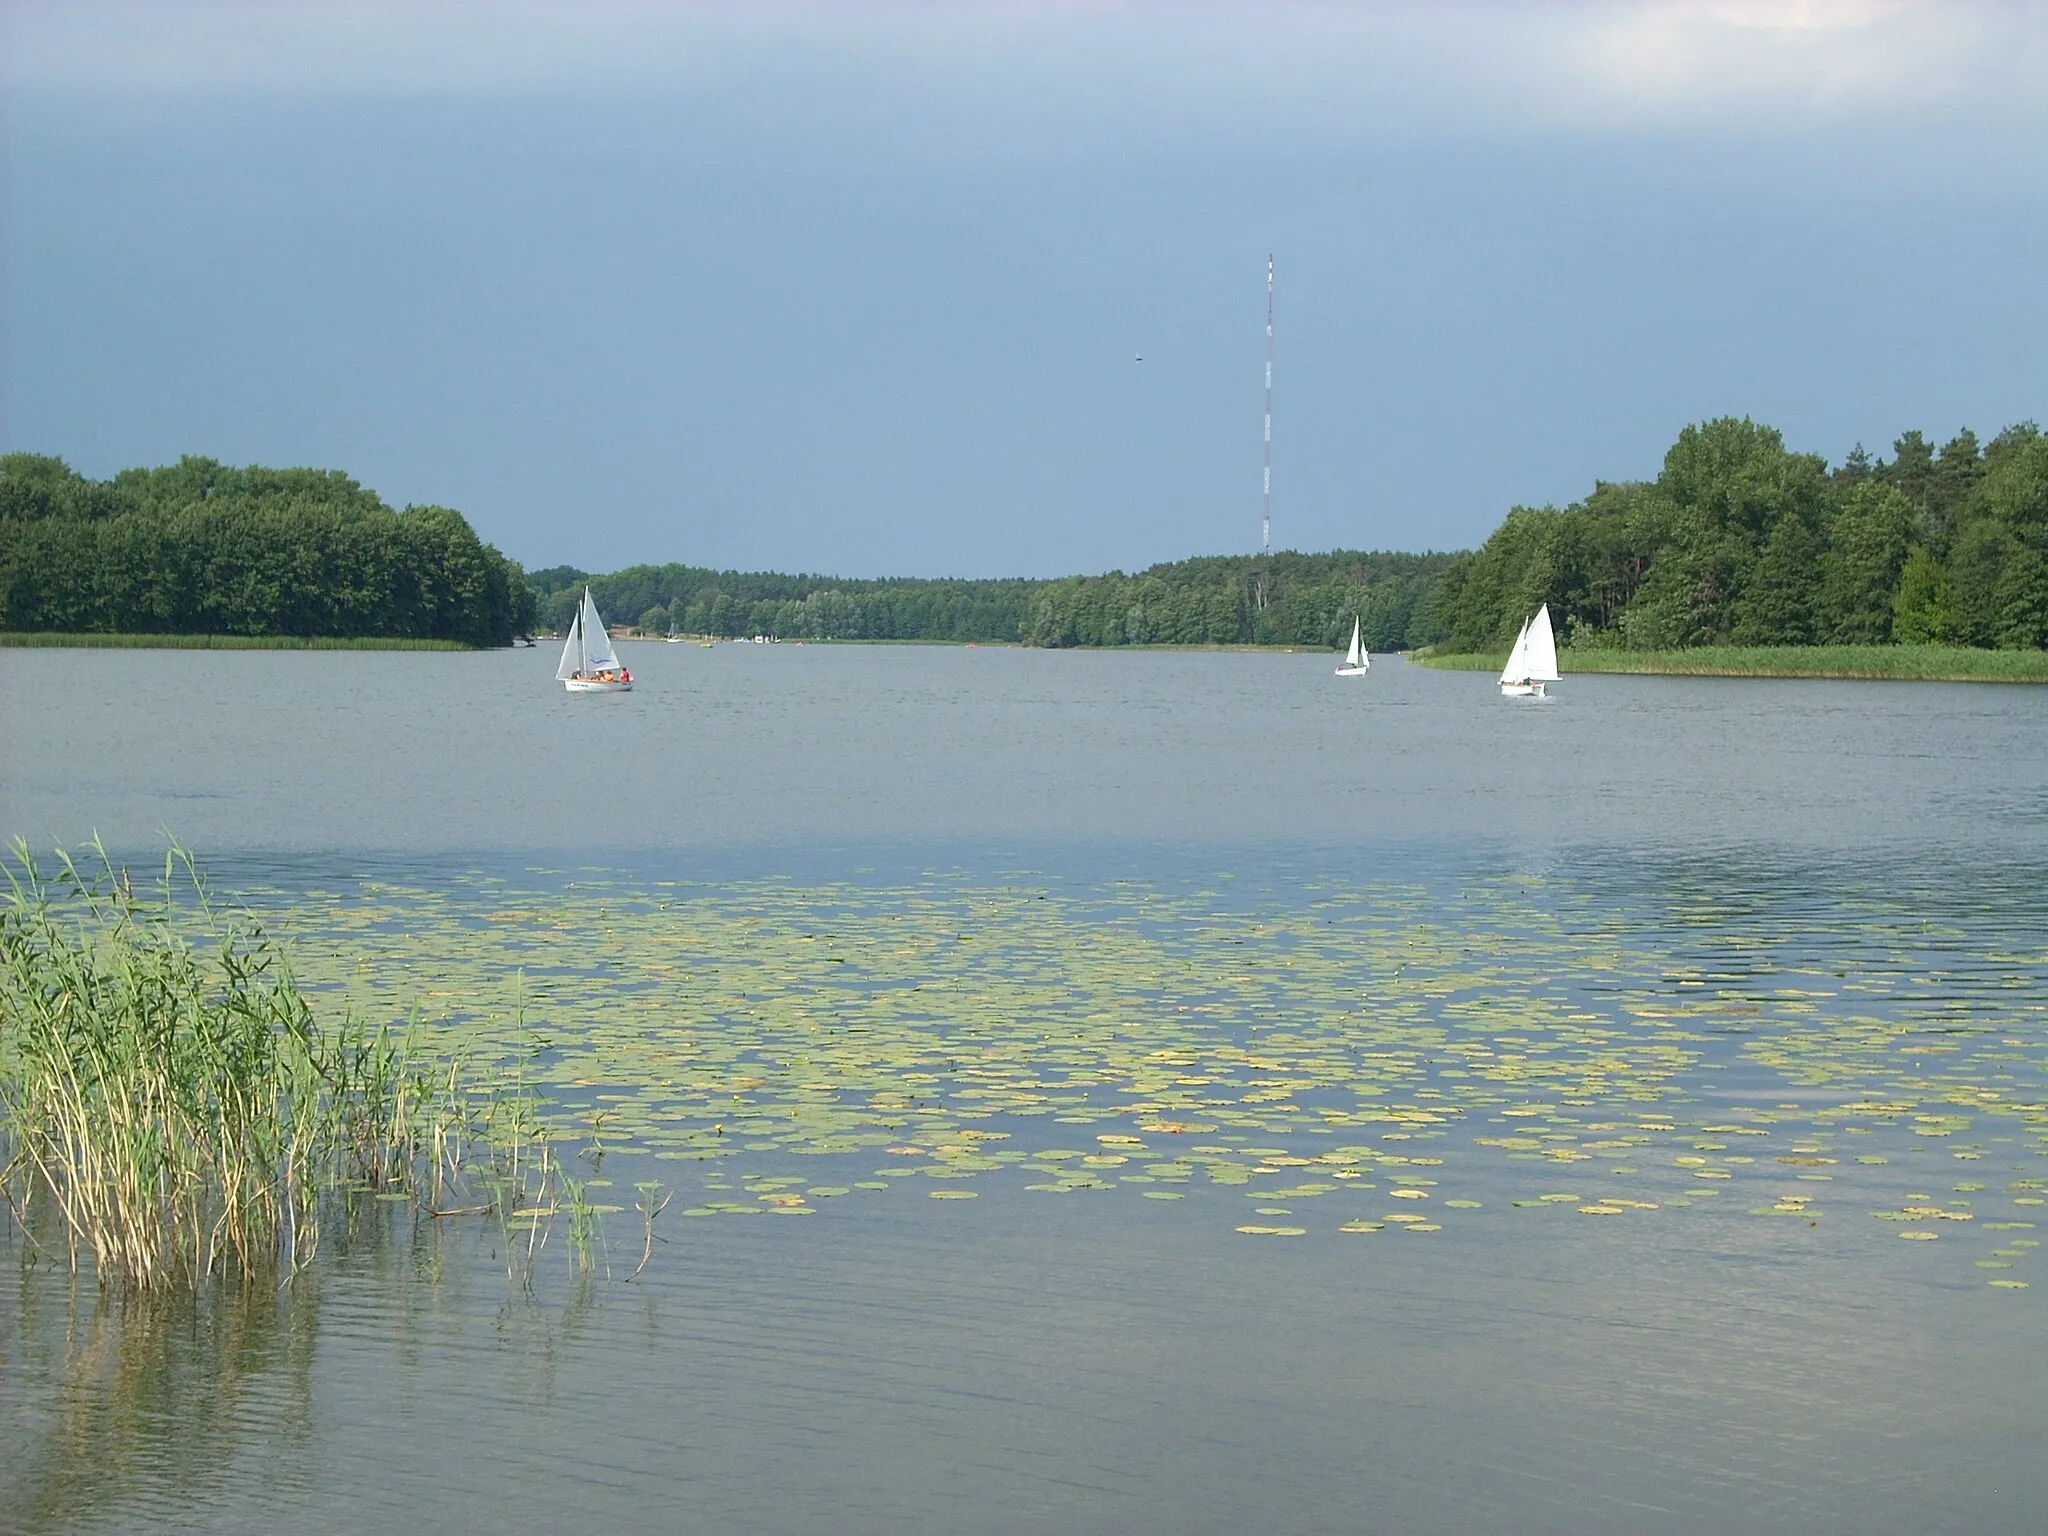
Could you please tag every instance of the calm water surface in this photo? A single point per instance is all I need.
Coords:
(1732, 964)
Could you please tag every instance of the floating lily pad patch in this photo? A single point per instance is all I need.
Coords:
(1340, 1040)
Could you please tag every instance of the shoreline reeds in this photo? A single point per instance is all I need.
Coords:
(52, 640)
(166, 1087)
(1891, 663)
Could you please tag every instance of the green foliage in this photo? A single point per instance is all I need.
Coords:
(1777, 602)
(1283, 599)
(1924, 607)
(1740, 541)
(698, 601)
(2000, 556)
(200, 547)
(1867, 550)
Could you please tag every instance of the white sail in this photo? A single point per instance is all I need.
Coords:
(572, 649)
(1356, 656)
(1516, 671)
(597, 645)
(1542, 649)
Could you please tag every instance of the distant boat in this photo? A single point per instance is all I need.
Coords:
(1356, 662)
(1533, 661)
(673, 637)
(588, 664)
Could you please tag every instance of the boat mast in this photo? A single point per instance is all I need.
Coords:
(1266, 499)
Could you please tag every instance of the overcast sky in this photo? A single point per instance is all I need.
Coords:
(863, 288)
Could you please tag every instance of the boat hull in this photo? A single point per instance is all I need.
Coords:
(1523, 691)
(1353, 671)
(593, 685)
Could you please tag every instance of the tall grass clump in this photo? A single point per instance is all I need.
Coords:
(166, 1087)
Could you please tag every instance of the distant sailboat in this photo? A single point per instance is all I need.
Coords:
(588, 664)
(1533, 661)
(1356, 662)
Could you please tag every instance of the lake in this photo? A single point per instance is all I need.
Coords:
(1147, 1091)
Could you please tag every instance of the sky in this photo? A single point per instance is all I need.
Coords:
(979, 289)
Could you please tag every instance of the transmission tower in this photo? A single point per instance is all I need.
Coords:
(1266, 500)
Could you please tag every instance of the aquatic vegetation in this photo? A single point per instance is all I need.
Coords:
(1452, 1050)
(1919, 663)
(48, 640)
(166, 1086)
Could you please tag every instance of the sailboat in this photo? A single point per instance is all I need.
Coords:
(1356, 662)
(1533, 661)
(588, 664)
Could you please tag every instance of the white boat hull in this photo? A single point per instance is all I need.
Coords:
(1523, 691)
(1353, 671)
(593, 685)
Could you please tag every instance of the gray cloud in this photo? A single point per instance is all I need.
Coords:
(1019, 78)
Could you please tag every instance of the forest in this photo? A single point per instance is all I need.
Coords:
(1283, 599)
(200, 547)
(690, 599)
(1740, 541)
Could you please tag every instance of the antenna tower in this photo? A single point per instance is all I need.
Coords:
(1266, 500)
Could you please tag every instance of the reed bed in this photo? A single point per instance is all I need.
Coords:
(34, 639)
(1904, 663)
(167, 1088)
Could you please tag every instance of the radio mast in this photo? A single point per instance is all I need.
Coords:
(1266, 501)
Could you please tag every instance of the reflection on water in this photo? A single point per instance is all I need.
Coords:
(1055, 1367)
(149, 1390)
(143, 1411)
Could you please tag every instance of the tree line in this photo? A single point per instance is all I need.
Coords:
(1284, 599)
(201, 547)
(692, 600)
(1741, 541)
(1737, 541)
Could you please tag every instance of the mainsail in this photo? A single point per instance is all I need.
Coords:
(1356, 657)
(597, 645)
(1542, 656)
(1534, 658)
